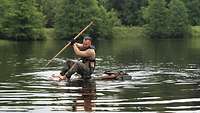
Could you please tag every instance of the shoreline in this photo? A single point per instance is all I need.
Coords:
(122, 32)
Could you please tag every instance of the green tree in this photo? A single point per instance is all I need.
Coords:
(112, 4)
(178, 19)
(48, 7)
(129, 11)
(73, 15)
(23, 21)
(193, 7)
(4, 6)
(132, 12)
(156, 15)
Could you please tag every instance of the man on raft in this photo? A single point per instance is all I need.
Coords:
(85, 68)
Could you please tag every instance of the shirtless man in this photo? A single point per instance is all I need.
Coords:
(86, 51)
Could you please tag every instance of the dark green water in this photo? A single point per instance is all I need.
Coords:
(165, 78)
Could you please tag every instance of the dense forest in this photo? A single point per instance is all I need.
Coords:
(28, 19)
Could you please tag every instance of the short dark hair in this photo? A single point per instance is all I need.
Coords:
(87, 38)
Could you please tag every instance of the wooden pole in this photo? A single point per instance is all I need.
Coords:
(69, 43)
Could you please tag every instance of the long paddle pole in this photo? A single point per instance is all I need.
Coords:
(69, 43)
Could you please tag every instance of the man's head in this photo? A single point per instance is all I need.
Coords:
(87, 41)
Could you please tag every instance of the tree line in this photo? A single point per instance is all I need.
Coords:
(27, 19)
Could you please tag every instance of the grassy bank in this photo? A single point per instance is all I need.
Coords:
(120, 32)
(50, 33)
(128, 32)
(196, 31)
(124, 32)
(138, 32)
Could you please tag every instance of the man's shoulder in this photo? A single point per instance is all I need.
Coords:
(91, 50)
(92, 47)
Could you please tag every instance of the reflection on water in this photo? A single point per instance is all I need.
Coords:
(88, 94)
(165, 78)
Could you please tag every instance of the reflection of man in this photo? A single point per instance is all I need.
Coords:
(86, 67)
(88, 93)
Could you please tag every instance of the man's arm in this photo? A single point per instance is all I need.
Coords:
(79, 45)
(86, 53)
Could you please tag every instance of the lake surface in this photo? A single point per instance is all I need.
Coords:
(165, 77)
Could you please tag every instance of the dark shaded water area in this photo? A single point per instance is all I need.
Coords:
(164, 77)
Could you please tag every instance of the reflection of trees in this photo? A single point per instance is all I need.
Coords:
(154, 50)
(88, 93)
(13, 57)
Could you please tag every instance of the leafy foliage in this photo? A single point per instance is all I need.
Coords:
(166, 21)
(74, 15)
(26, 19)
(4, 7)
(23, 21)
(48, 8)
(193, 7)
(178, 19)
(129, 11)
(156, 16)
